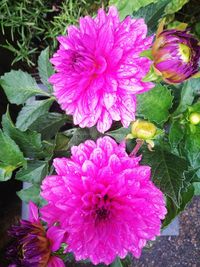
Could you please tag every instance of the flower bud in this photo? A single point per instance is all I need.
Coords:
(143, 130)
(194, 118)
(176, 55)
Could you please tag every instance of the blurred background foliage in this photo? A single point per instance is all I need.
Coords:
(29, 26)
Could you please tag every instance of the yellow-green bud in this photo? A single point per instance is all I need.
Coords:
(143, 130)
(194, 118)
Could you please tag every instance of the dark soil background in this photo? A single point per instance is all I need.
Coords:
(174, 251)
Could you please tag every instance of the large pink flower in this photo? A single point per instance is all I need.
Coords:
(105, 201)
(99, 69)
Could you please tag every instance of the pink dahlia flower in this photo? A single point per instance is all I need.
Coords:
(99, 69)
(105, 201)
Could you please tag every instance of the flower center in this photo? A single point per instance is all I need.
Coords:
(102, 208)
(102, 213)
(185, 52)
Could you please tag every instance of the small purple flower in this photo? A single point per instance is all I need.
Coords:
(176, 55)
(33, 245)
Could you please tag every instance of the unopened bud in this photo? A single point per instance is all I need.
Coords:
(194, 118)
(143, 130)
(176, 55)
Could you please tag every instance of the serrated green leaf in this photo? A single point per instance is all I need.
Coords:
(61, 142)
(196, 189)
(197, 29)
(117, 263)
(31, 112)
(173, 210)
(19, 86)
(174, 6)
(119, 134)
(189, 90)
(152, 13)
(154, 105)
(48, 124)
(34, 173)
(176, 134)
(191, 176)
(127, 7)
(10, 153)
(30, 194)
(195, 107)
(6, 171)
(45, 68)
(29, 142)
(48, 148)
(192, 148)
(167, 172)
(80, 135)
(61, 145)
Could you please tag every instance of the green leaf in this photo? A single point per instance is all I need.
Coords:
(48, 148)
(154, 105)
(29, 142)
(189, 90)
(48, 124)
(192, 148)
(30, 194)
(80, 135)
(31, 112)
(195, 107)
(174, 6)
(117, 263)
(176, 134)
(196, 188)
(34, 173)
(167, 172)
(173, 210)
(19, 86)
(151, 14)
(61, 147)
(119, 134)
(45, 68)
(10, 153)
(127, 7)
(5, 171)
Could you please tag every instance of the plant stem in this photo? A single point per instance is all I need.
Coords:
(136, 148)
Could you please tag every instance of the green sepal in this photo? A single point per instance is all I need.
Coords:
(147, 54)
(152, 76)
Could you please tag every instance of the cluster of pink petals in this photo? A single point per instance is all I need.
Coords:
(104, 200)
(100, 71)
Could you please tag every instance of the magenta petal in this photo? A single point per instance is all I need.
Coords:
(33, 212)
(60, 165)
(55, 262)
(55, 236)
